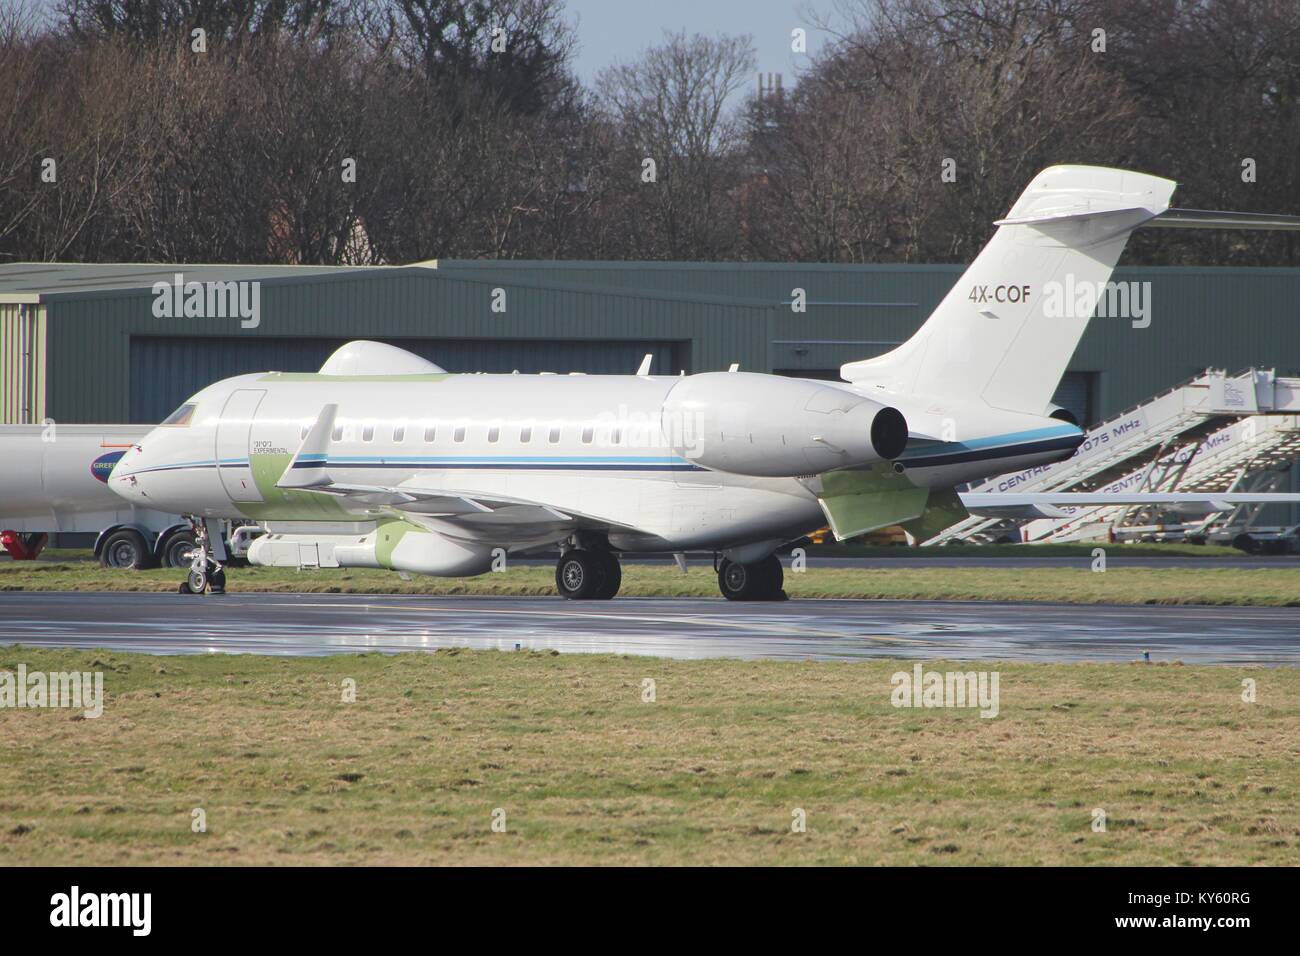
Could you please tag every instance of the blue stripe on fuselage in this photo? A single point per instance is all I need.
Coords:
(923, 455)
(1016, 444)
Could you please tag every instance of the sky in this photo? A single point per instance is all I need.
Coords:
(614, 31)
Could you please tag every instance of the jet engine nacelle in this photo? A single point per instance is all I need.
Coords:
(769, 426)
(394, 545)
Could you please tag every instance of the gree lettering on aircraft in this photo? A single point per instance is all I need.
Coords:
(999, 293)
(103, 465)
(268, 448)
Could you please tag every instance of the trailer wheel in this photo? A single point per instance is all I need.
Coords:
(176, 550)
(125, 549)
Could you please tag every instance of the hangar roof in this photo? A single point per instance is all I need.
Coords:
(28, 281)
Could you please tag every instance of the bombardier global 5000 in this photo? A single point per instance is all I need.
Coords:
(383, 460)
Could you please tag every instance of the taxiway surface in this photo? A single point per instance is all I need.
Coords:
(312, 624)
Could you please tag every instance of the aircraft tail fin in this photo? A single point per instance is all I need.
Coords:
(1006, 331)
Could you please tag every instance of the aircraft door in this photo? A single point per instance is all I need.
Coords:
(232, 452)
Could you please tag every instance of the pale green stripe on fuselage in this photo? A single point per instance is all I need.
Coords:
(317, 377)
(285, 504)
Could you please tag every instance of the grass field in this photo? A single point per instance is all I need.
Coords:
(585, 771)
(905, 581)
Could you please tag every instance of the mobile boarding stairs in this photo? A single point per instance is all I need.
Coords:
(1212, 433)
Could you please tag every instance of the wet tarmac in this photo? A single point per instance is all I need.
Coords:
(315, 624)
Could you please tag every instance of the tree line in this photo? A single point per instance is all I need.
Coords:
(391, 131)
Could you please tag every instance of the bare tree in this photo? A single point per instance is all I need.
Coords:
(924, 121)
(672, 107)
(915, 127)
(23, 62)
(517, 50)
(147, 22)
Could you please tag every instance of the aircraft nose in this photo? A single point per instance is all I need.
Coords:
(125, 478)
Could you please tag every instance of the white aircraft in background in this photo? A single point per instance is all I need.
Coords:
(383, 460)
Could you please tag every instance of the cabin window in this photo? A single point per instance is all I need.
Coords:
(588, 432)
(526, 433)
(459, 434)
(430, 431)
(494, 434)
(337, 434)
(616, 436)
(555, 435)
(181, 416)
(399, 432)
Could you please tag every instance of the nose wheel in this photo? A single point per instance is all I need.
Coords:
(206, 574)
(211, 580)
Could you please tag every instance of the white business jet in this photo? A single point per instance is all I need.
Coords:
(383, 460)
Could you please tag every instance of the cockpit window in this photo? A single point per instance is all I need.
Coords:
(181, 416)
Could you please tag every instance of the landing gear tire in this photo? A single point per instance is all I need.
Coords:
(759, 581)
(582, 575)
(613, 576)
(206, 575)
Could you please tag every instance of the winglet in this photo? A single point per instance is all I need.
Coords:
(645, 364)
(307, 469)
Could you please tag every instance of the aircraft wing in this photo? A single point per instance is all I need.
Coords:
(992, 504)
(465, 506)
(445, 502)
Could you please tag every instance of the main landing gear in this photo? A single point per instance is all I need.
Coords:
(594, 574)
(206, 573)
(758, 581)
(588, 575)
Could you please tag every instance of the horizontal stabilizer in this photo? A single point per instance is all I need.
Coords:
(1214, 219)
(1085, 211)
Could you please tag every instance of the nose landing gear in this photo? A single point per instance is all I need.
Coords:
(206, 572)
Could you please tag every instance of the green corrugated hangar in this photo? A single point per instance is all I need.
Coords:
(86, 343)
